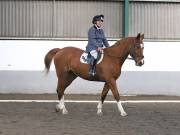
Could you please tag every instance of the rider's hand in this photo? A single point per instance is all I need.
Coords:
(99, 49)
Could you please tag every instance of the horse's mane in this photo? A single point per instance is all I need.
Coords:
(122, 41)
(120, 47)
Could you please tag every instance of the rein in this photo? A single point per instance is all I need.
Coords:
(129, 58)
(118, 57)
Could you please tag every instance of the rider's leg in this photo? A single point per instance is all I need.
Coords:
(94, 67)
(91, 66)
(94, 55)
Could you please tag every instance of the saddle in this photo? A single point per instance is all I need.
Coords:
(86, 57)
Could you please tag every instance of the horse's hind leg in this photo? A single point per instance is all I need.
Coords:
(61, 106)
(63, 82)
(60, 91)
(103, 96)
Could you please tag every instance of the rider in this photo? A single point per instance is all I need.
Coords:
(96, 41)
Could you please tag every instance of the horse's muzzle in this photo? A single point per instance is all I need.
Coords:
(140, 63)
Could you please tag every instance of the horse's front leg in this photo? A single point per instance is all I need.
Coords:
(112, 85)
(103, 96)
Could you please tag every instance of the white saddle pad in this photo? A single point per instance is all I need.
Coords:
(85, 56)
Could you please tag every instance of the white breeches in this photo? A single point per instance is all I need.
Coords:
(94, 54)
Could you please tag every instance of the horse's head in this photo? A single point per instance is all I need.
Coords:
(136, 51)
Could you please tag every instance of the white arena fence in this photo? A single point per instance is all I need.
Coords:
(22, 65)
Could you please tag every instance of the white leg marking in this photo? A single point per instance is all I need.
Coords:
(61, 106)
(64, 111)
(99, 107)
(121, 110)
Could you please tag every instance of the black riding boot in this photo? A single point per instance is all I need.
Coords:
(92, 69)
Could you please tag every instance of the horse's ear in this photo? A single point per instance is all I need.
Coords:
(142, 36)
(139, 36)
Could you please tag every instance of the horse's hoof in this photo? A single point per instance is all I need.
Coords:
(57, 108)
(64, 112)
(124, 114)
(100, 113)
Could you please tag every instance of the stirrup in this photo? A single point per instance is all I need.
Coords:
(94, 71)
(91, 72)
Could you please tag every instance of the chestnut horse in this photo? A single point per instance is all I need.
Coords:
(68, 67)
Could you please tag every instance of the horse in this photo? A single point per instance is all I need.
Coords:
(68, 68)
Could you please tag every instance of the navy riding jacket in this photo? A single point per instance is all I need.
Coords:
(96, 38)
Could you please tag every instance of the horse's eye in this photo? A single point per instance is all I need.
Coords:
(138, 46)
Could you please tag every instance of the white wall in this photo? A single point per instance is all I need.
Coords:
(21, 66)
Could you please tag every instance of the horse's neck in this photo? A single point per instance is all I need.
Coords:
(121, 48)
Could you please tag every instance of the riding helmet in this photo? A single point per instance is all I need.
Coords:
(98, 18)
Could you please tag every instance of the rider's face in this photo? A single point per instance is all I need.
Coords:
(99, 23)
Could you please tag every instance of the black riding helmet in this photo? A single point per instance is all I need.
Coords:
(98, 18)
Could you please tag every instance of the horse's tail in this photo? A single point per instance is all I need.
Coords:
(48, 58)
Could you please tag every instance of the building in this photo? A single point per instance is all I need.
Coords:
(59, 19)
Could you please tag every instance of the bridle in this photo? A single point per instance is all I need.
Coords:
(141, 45)
(118, 57)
